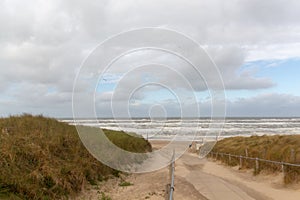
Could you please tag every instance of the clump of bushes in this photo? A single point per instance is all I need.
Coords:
(281, 148)
(42, 158)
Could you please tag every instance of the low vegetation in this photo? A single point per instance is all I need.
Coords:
(282, 148)
(104, 197)
(125, 184)
(41, 158)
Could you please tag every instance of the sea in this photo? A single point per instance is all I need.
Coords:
(195, 129)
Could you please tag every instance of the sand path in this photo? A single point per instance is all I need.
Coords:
(212, 187)
(197, 179)
(263, 186)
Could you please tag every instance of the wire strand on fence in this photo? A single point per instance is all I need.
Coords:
(259, 159)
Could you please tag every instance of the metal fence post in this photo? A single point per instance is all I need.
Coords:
(172, 176)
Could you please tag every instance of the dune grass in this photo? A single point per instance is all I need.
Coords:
(41, 158)
(282, 148)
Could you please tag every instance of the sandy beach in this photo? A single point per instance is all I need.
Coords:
(197, 179)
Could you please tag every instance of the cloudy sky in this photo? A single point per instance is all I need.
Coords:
(254, 44)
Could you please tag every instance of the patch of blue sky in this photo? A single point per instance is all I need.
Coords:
(105, 87)
(111, 78)
(107, 82)
(52, 90)
(164, 95)
(157, 96)
(284, 73)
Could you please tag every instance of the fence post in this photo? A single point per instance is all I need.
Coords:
(246, 152)
(282, 169)
(229, 159)
(172, 176)
(256, 166)
(217, 156)
(241, 162)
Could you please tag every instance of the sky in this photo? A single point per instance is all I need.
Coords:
(47, 46)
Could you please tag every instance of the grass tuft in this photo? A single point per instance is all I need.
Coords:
(125, 184)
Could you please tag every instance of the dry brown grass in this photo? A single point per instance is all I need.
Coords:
(41, 158)
(277, 148)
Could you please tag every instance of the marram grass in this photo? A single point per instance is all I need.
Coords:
(282, 148)
(41, 158)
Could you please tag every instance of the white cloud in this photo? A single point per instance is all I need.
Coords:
(42, 44)
(273, 51)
